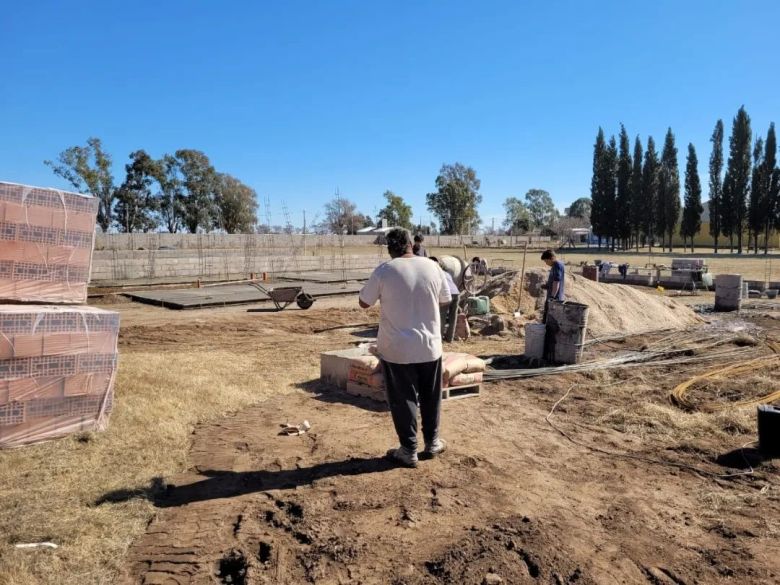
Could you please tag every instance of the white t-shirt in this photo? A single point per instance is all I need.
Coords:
(450, 283)
(410, 291)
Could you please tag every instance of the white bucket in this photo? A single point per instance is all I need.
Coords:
(534, 340)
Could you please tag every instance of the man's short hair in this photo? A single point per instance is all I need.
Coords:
(418, 238)
(398, 240)
(548, 255)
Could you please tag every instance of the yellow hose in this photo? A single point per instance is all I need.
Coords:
(678, 395)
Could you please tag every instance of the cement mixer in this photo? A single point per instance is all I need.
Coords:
(463, 274)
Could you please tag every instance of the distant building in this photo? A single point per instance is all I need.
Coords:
(705, 240)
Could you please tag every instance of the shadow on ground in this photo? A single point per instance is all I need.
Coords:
(229, 484)
(329, 393)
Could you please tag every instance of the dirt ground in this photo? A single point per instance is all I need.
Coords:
(512, 496)
(618, 486)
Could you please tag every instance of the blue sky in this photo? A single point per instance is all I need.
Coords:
(297, 98)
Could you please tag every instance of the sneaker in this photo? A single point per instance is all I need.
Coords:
(402, 456)
(437, 447)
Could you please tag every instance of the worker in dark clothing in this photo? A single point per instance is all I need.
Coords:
(418, 249)
(555, 281)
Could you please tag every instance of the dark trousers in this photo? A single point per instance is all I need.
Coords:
(449, 318)
(410, 385)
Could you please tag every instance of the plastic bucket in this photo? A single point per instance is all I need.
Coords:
(478, 305)
(566, 325)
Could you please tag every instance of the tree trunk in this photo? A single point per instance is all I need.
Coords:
(716, 245)
(766, 238)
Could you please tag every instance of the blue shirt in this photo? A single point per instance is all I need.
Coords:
(557, 274)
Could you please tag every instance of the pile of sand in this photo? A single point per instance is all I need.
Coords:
(614, 308)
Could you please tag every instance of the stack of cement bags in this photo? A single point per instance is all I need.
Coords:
(57, 361)
(458, 369)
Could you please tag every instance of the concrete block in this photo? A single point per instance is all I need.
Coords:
(334, 365)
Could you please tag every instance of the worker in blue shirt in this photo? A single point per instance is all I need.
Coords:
(555, 281)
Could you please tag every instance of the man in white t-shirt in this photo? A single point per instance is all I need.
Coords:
(410, 289)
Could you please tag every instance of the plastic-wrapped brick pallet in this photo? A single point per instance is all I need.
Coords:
(57, 370)
(46, 241)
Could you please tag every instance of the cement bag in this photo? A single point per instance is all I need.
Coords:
(465, 379)
(366, 363)
(459, 363)
(358, 376)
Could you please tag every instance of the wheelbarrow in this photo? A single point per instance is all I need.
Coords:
(284, 296)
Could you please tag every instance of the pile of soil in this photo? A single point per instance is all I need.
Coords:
(614, 308)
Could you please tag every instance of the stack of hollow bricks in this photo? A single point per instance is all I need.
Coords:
(57, 362)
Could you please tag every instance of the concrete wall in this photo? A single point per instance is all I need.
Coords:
(115, 266)
(284, 244)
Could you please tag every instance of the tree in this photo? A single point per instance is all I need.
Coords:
(772, 201)
(763, 192)
(668, 190)
(649, 192)
(609, 182)
(756, 198)
(541, 208)
(397, 212)
(602, 187)
(716, 184)
(456, 199)
(171, 195)
(518, 218)
(737, 182)
(342, 217)
(598, 214)
(691, 220)
(88, 169)
(136, 205)
(580, 208)
(622, 229)
(635, 186)
(199, 182)
(236, 205)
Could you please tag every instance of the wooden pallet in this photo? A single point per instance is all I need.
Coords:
(456, 392)
(378, 394)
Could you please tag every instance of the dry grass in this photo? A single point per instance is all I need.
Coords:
(48, 489)
(667, 422)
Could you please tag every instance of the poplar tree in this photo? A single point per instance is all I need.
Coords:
(623, 193)
(691, 219)
(609, 180)
(770, 204)
(668, 203)
(635, 185)
(756, 199)
(598, 212)
(716, 184)
(649, 192)
(737, 181)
